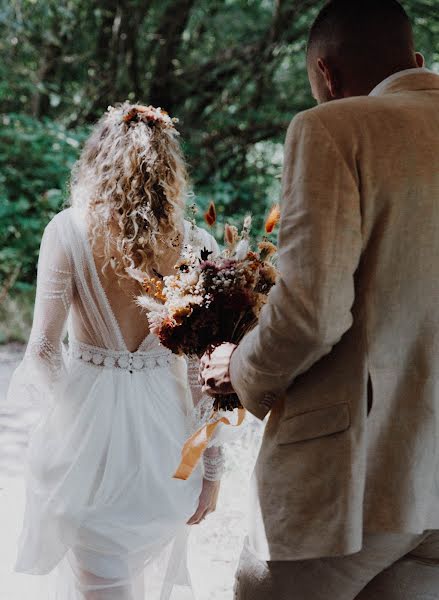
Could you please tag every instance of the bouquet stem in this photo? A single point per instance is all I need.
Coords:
(226, 402)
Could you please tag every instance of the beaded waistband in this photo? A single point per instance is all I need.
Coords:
(113, 359)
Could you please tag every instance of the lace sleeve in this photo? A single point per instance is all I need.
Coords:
(43, 363)
(213, 457)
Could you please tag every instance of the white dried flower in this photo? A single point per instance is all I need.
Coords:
(151, 305)
(242, 249)
(136, 274)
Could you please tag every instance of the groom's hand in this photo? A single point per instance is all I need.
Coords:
(214, 370)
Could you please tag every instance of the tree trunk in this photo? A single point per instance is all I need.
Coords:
(47, 71)
(169, 34)
(117, 53)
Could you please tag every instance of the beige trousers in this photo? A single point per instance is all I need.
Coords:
(389, 567)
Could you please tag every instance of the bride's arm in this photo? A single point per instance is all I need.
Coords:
(213, 457)
(52, 305)
(42, 365)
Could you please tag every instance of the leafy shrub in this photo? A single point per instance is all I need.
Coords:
(35, 161)
(36, 157)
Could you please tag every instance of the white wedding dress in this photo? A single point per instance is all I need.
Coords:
(103, 514)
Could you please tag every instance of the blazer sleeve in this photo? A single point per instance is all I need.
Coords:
(320, 243)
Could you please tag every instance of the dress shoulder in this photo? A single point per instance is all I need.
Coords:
(63, 215)
(61, 233)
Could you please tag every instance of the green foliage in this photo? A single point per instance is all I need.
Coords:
(233, 71)
(36, 157)
(16, 312)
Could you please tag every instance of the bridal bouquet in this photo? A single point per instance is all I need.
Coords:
(212, 299)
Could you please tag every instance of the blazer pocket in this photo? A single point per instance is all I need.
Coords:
(315, 424)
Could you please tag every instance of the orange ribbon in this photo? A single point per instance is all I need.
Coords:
(197, 444)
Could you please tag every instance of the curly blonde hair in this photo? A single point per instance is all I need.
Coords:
(132, 181)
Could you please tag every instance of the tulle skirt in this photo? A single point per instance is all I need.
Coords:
(104, 517)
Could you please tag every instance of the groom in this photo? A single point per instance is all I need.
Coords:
(346, 354)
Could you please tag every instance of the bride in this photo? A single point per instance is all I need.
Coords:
(102, 508)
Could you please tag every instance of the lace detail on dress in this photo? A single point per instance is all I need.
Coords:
(214, 463)
(58, 286)
(44, 354)
(42, 349)
(202, 412)
(203, 403)
(113, 359)
(193, 366)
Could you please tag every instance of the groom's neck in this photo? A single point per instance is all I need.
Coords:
(362, 86)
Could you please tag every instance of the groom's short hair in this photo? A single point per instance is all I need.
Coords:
(356, 25)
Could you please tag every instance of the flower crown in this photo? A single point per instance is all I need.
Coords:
(146, 114)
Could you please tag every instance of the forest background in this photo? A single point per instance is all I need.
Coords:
(232, 71)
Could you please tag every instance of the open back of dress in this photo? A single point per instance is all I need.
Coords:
(104, 517)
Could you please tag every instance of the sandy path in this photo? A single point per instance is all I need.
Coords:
(215, 545)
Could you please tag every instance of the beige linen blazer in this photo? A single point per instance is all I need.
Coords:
(346, 354)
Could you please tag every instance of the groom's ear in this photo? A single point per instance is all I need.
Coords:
(331, 78)
(420, 60)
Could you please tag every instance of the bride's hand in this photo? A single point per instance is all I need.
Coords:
(207, 501)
